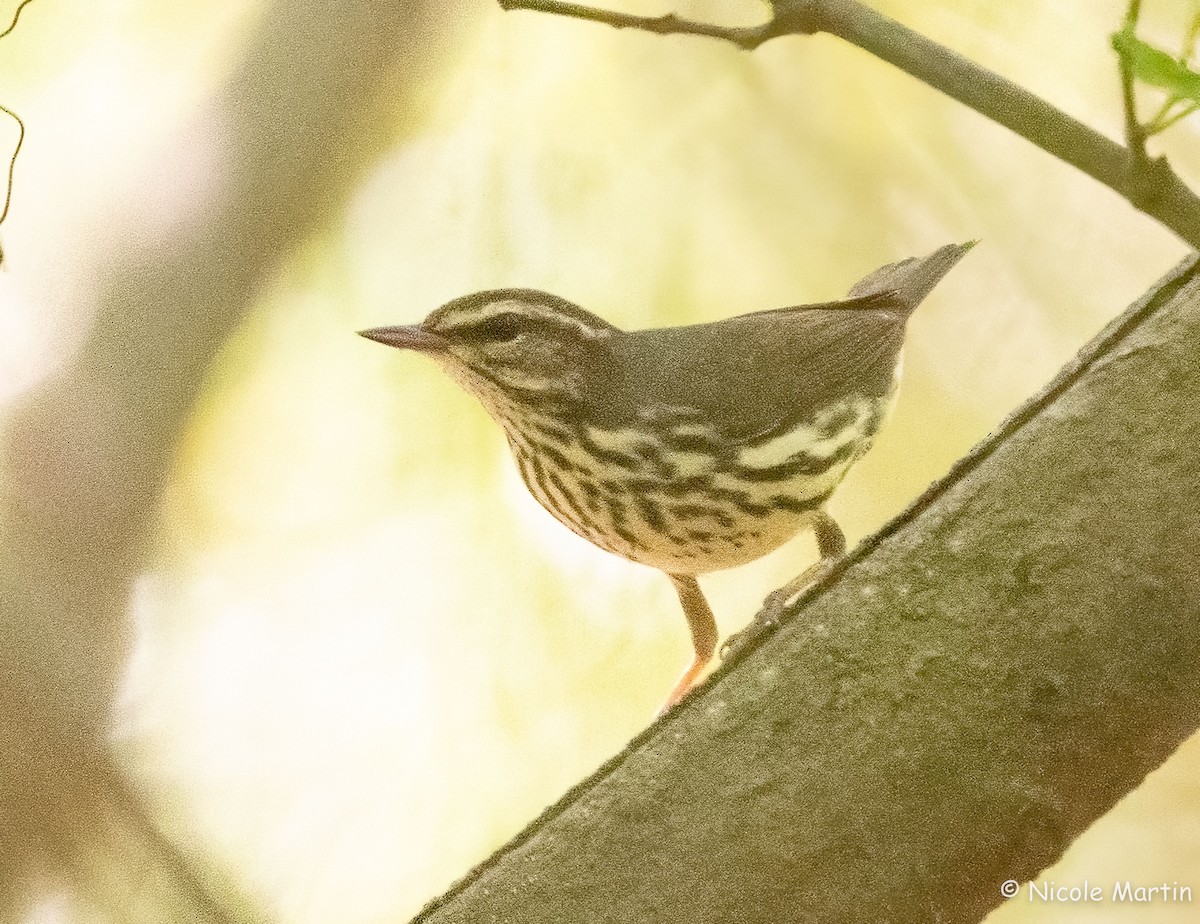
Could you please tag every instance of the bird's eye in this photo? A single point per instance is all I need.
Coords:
(499, 329)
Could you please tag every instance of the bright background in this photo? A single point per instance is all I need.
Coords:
(365, 657)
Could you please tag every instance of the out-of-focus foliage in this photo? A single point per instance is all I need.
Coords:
(365, 657)
(1157, 68)
(1142, 63)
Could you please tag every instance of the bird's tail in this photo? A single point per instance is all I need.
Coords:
(911, 280)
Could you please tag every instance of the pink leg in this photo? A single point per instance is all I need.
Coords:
(704, 634)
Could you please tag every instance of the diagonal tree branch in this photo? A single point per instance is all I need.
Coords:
(1149, 184)
(984, 679)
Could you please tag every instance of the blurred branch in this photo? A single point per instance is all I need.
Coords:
(979, 683)
(86, 456)
(1150, 185)
(100, 833)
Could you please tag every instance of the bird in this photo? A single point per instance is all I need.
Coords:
(689, 449)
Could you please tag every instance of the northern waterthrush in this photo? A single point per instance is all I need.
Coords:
(689, 449)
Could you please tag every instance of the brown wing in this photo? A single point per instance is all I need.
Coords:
(757, 374)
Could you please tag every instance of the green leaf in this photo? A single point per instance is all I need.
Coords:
(1157, 68)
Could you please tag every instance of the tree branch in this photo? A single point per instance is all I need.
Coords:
(1150, 185)
(1135, 134)
(988, 675)
(670, 24)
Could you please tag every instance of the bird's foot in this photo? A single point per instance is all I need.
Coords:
(683, 686)
(775, 607)
(766, 619)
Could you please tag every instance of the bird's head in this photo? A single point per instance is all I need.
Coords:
(519, 344)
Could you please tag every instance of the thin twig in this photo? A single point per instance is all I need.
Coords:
(1189, 41)
(1135, 132)
(1163, 111)
(1162, 125)
(748, 38)
(16, 16)
(1150, 185)
(12, 163)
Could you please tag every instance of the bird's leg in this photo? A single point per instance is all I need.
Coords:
(831, 544)
(704, 634)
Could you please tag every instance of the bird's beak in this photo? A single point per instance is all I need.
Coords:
(410, 337)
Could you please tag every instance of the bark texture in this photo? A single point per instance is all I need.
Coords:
(978, 683)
